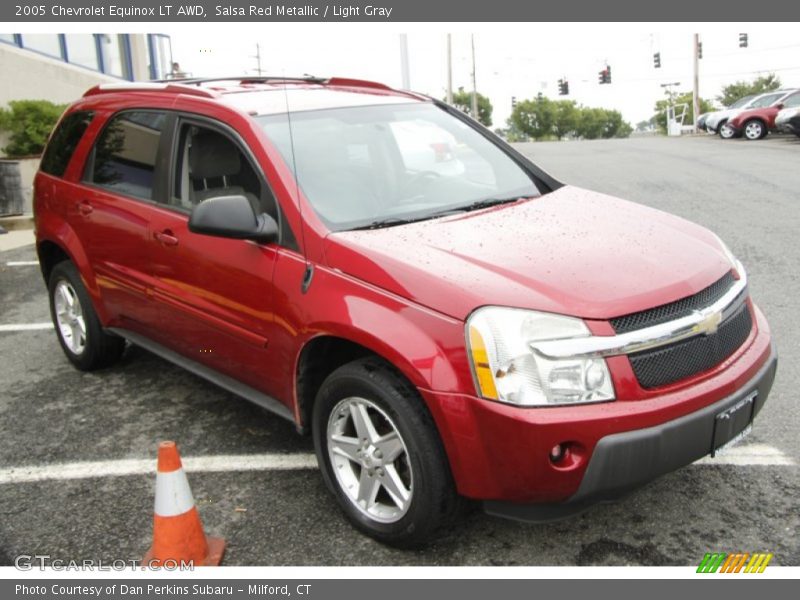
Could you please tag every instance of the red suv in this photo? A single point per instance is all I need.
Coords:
(444, 318)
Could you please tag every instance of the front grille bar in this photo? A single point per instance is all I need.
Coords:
(700, 322)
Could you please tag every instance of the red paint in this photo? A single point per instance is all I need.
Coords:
(401, 292)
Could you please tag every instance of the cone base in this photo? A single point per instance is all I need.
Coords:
(216, 549)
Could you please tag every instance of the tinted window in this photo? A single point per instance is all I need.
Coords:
(63, 142)
(125, 154)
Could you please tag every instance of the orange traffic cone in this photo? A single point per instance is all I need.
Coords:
(177, 531)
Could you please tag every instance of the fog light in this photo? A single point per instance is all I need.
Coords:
(556, 453)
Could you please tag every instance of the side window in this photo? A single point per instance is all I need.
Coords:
(63, 142)
(124, 156)
(792, 101)
(210, 164)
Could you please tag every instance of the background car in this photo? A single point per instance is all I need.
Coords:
(717, 122)
(755, 123)
(788, 118)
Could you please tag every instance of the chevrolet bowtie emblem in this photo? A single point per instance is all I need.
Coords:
(709, 322)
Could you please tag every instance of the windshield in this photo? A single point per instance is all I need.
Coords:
(741, 102)
(389, 164)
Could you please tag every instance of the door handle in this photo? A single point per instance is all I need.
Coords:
(85, 208)
(166, 237)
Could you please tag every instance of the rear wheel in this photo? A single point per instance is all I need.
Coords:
(79, 331)
(754, 129)
(380, 454)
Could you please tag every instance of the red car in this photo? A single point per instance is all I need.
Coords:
(756, 123)
(446, 325)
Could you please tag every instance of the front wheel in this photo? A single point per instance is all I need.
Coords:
(380, 454)
(754, 130)
(726, 132)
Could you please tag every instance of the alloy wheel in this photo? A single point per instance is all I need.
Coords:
(370, 459)
(69, 317)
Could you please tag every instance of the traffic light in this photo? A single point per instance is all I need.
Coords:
(605, 75)
(699, 49)
(563, 87)
(742, 40)
(513, 102)
(657, 60)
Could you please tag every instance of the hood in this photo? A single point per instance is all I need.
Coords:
(571, 252)
(715, 117)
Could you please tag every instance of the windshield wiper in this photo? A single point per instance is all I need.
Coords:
(389, 222)
(479, 204)
(489, 202)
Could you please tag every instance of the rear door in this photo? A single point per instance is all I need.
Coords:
(121, 183)
(214, 295)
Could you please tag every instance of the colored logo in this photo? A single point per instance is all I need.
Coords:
(739, 562)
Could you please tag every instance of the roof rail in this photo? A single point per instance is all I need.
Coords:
(347, 82)
(245, 79)
(151, 86)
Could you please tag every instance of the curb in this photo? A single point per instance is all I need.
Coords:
(17, 223)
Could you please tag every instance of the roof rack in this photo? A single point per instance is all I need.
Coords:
(244, 79)
(175, 87)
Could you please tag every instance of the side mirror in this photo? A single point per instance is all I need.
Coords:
(232, 217)
(779, 106)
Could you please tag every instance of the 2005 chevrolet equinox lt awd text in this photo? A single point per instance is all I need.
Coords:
(445, 319)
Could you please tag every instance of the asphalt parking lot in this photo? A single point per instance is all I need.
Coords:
(52, 416)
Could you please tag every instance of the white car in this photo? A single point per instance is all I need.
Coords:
(788, 119)
(715, 122)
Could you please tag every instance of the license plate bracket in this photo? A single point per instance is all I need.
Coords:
(732, 421)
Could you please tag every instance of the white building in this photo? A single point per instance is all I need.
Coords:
(61, 67)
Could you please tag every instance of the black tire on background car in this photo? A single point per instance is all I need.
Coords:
(77, 327)
(726, 132)
(381, 455)
(754, 129)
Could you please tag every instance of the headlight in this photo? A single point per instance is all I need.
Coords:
(508, 369)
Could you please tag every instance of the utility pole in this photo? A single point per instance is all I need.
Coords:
(449, 68)
(404, 71)
(258, 60)
(696, 79)
(474, 83)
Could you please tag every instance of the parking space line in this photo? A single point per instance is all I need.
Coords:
(22, 263)
(26, 327)
(147, 466)
(751, 454)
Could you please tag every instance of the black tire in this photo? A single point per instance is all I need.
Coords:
(100, 349)
(433, 500)
(754, 125)
(724, 133)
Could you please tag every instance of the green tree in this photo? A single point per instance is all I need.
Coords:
(591, 123)
(739, 89)
(660, 118)
(462, 100)
(534, 118)
(566, 118)
(29, 123)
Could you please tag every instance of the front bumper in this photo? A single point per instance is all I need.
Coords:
(500, 454)
(624, 461)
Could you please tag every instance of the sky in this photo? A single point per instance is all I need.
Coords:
(517, 60)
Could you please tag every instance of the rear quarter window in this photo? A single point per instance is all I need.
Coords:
(64, 141)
